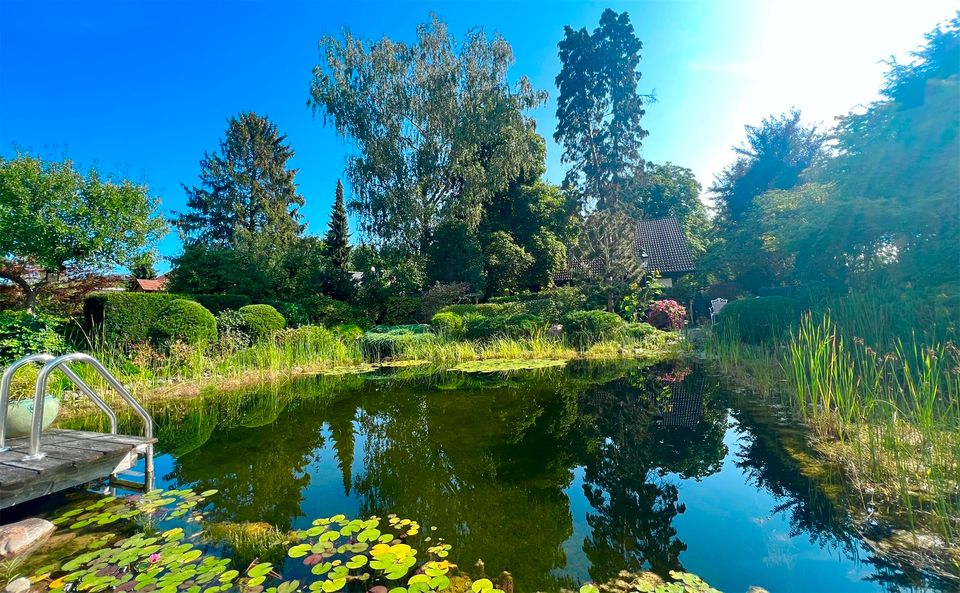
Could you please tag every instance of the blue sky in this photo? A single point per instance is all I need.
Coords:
(144, 88)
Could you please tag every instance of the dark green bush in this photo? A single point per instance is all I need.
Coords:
(588, 327)
(400, 309)
(758, 320)
(184, 320)
(124, 318)
(262, 321)
(294, 313)
(329, 312)
(449, 325)
(22, 333)
(485, 309)
(412, 328)
(377, 345)
(216, 303)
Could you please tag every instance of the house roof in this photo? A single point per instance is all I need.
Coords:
(661, 239)
(666, 247)
(158, 284)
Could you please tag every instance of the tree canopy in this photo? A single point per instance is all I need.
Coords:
(245, 187)
(437, 125)
(58, 221)
(599, 109)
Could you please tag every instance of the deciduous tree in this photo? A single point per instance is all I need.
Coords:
(437, 125)
(58, 222)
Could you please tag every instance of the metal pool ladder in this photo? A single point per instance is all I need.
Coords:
(139, 446)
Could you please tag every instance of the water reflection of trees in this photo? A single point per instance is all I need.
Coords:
(488, 461)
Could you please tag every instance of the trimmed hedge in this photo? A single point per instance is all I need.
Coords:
(217, 303)
(186, 321)
(588, 327)
(125, 318)
(758, 320)
(262, 321)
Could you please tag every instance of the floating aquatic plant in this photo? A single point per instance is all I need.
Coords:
(503, 366)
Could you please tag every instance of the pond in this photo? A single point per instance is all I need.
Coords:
(558, 476)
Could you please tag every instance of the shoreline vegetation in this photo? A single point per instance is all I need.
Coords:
(883, 410)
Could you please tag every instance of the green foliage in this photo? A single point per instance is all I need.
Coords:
(389, 341)
(337, 239)
(449, 325)
(54, 217)
(232, 330)
(599, 108)
(549, 254)
(609, 263)
(246, 188)
(209, 270)
(588, 327)
(329, 312)
(442, 295)
(455, 256)
(184, 321)
(217, 303)
(399, 309)
(640, 331)
(124, 318)
(22, 333)
(294, 313)
(507, 263)
(671, 190)
(508, 326)
(262, 321)
(667, 314)
(399, 102)
(759, 320)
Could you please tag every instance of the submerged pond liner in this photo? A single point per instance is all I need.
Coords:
(558, 475)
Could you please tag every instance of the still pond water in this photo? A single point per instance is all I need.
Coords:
(560, 476)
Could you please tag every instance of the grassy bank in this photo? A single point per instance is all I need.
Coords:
(182, 370)
(881, 403)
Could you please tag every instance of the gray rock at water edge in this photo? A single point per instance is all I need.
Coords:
(555, 331)
(18, 585)
(19, 537)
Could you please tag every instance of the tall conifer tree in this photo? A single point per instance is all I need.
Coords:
(338, 233)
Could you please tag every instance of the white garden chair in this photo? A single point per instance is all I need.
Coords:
(715, 306)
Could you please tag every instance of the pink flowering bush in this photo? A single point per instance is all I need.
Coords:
(666, 314)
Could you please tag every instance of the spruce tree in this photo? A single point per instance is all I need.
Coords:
(246, 188)
(338, 233)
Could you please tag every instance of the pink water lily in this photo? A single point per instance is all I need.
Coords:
(154, 558)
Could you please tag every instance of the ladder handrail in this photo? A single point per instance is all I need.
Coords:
(43, 357)
(60, 362)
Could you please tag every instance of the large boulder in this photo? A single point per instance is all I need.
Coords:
(22, 536)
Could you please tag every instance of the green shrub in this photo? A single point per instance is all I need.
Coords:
(442, 295)
(348, 331)
(232, 330)
(294, 313)
(639, 331)
(184, 320)
(758, 320)
(588, 327)
(262, 321)
(328, 312)
(518, 325)
(22, 333)
(485, 309)
(217, 303)
(124, 318)
(400, 309)
(377, 345)
(449, 325)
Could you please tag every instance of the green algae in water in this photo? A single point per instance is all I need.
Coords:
(507, 365)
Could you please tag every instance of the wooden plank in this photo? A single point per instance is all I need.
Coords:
(70, 476)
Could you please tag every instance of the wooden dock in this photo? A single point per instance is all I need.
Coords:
(72, 458)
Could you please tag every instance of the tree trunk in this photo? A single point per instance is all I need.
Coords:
(29, 292)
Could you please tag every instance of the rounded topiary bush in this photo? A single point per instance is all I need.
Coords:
(262, 321)
(182, 320)
(758, 320)
(588, 327)
(449, 325)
